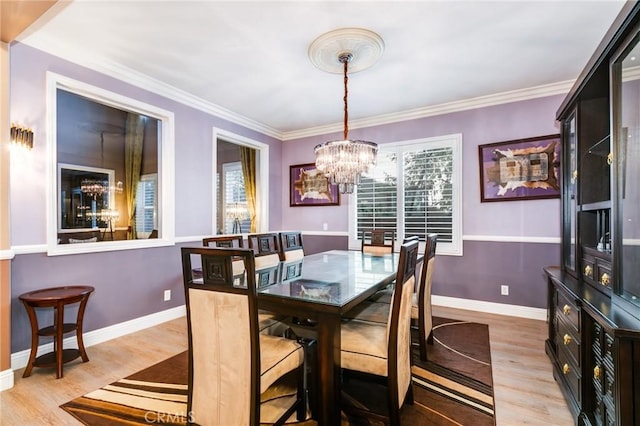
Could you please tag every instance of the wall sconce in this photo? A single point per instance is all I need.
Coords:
(21, 137)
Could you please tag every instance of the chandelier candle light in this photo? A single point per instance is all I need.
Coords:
(344, 161)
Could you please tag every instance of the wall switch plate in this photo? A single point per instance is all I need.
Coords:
(167, 295)
(325, 226)
(504, 290)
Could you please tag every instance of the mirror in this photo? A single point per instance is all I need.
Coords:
(85, 197)
(627, 157)
(112, 170)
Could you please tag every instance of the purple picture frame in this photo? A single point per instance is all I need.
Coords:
(522, 169)
(309, 187)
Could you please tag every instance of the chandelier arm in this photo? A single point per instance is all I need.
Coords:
(346, 109)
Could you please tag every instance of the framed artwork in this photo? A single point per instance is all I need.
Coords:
(309, 187)
(522, 169)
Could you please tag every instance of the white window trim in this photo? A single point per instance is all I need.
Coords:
(455, 142)
(262, 177)
(166, 173)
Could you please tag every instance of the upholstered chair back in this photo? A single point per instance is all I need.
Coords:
(224, 353)
(378, 241)
(291, 246)
(399, 323)
(266, 249)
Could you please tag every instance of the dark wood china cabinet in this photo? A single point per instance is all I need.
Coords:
(594, 296)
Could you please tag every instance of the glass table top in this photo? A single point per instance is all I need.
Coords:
(333, 277)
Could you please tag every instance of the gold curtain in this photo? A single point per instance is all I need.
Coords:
(133, 141)
(248, 160)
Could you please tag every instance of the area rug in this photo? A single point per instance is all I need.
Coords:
(454, 387)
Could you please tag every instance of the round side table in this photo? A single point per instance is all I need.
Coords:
(56, 298)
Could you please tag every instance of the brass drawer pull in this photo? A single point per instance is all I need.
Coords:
(566, 369)
(588, 271)
(597, 372)
(567, 339)
(605, 279)
(566, 309)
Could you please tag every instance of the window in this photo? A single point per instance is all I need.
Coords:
(146, 205)
(236, 212)
(415, 189)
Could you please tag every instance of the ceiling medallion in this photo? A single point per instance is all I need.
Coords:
(365, 47)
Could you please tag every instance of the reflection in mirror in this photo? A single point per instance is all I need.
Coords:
(628, 133)
(123, 145)
(111, 165)
(85, 196)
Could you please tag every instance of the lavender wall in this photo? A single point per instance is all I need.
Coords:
(129, 284)
(487, 263)
(517, 120)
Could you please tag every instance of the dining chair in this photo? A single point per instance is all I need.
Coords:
(266, 248)
(421, 311)
(291, 246)
(232, 364)
(378, 241)
(384, 295)
(384, 349)
(228, 241)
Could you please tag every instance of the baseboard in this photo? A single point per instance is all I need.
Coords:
(6, 380)
(490, 307)
(19, 359)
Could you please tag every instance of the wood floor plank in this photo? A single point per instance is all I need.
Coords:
(525, 391)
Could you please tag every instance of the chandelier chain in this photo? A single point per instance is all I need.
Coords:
(346, 109)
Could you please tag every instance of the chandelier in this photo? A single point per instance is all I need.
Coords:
(344, 161)
(95, 187)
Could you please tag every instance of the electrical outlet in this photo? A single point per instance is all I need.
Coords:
(167, 295)
(504, 290)
(325, 226)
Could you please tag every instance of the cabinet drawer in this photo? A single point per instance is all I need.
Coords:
(567, 339)
(568, 309)
(605, 277)
(571, 375)
(588, 267)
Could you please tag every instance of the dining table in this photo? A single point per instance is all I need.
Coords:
(318, 290)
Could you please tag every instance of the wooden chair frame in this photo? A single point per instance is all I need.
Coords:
(424, 296)
(406, 270)
(226, 241)
(376, 239)
(290, 241)
(218, 276)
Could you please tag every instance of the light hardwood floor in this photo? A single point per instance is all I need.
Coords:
(525, 391)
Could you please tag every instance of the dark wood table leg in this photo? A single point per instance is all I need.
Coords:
(329, 369)
(33, 319)
(57, 344)
(83, 352)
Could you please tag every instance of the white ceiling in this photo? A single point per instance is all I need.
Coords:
(249, 58)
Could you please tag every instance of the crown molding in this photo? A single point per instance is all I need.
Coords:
(145, 82)
(158, 87)
(559, 88)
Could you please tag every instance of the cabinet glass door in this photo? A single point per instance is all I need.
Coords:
(570, 202)
(626, 72)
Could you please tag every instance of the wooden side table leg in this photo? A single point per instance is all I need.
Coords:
(57, 346)
(33, 319)
(83, 352)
